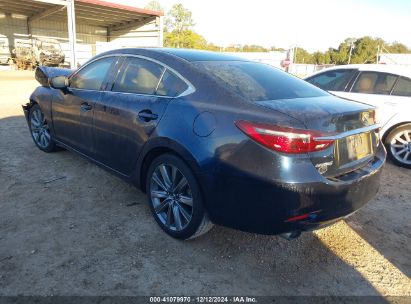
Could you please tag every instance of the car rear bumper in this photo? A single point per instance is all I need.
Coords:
(254, 204)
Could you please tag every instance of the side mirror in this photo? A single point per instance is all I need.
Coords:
(59, 82)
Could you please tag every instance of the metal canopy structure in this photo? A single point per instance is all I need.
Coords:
(100, 13)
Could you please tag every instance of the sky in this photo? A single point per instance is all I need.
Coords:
(310, 24)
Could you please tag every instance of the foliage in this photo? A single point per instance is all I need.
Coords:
(302, 56)
(245, 48)
(179, 33)
(363, 50)
(179, 19)
(154, 6)
(185, 39)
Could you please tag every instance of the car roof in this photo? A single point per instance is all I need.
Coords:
(200, 55)
(385, 68)
(186, 54)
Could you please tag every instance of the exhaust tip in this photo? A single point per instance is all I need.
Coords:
(290, 235)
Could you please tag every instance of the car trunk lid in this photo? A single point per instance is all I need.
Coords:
(350, 124)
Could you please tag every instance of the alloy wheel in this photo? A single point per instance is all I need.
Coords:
(400, 147)
(39, 129)
(171, 197)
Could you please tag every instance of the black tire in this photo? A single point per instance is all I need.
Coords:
(175, 201)
(399, 145)
(39, 130)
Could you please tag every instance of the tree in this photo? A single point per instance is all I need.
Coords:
(276, 49)
(302, 56)
(178, 32)
(365, 50)
(179, 19)
(186, 39)
(397, 48)
(321, 58)
(254, 48)
(154, 6)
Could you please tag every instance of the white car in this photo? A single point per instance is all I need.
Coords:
(386, 87)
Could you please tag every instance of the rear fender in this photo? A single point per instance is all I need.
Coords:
(393, 123)
(156, 147)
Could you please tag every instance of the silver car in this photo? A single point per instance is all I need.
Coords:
(387, 87)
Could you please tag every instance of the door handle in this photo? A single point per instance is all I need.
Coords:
(85, 107)
(147, 115)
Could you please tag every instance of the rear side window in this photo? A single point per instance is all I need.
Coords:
(335, 80)
(92, 76)
(138, 76)
(403, 87)
(374, 83)
(258, 82)
(171, 85)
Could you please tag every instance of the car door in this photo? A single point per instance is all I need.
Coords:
(126, 116)
(334, 80)
(374, 88)
(73, 107)
(401, 94)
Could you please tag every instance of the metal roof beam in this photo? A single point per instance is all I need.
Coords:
(103, 17)
(30, 4)
(45, 13)
(134, 23)
(112, 11)
(16, 7)
(57, 2)
(83, 20)
(113, 15)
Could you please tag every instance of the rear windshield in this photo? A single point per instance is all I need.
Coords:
(257, 82)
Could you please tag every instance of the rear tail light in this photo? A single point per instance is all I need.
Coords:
(286, 140)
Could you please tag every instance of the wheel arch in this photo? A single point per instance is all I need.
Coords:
(28, 106)
(390, 129)
(157, 147)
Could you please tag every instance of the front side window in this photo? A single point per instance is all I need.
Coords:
(139, 76)
(403, 87)
(335, 80)
(171, 85)
(374, 83)
(92, 76)
(258, 82)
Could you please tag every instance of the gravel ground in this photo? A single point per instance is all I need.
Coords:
(68, 227)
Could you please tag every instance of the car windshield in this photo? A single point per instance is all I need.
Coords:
(258, 82)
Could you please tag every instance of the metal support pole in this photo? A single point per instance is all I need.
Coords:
(350, 54)
(378, 55)
(351, 41)
(71, 23)
(160, 31)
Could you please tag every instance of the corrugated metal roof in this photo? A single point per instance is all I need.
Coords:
(95, 12)
(122, 7)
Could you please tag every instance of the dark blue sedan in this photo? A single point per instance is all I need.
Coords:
(212, 138)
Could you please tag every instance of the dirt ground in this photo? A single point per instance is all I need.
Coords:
(68, 227)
